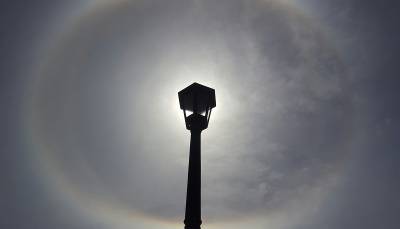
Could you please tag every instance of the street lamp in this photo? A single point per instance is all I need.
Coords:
(199, 100)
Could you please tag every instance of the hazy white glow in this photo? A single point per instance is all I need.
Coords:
(255, 119)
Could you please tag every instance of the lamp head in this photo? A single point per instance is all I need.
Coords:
(199, 100)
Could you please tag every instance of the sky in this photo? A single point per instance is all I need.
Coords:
(304, 134)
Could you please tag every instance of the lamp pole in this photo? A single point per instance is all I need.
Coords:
(193, 195)
(200, 100)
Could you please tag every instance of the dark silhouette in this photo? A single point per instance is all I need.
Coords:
(200, 100)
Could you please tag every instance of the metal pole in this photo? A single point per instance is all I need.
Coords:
(193, 195)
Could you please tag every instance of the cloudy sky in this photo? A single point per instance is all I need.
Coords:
(304, 134)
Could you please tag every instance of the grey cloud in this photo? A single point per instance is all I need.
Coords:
(265, 155)
(296, 101)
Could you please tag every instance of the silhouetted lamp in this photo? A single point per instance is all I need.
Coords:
(199, 100)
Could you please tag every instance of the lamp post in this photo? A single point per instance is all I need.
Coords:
(199, 100)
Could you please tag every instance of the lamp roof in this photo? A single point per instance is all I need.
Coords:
(197, 93)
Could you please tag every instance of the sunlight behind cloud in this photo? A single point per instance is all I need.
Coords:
(107, 105)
